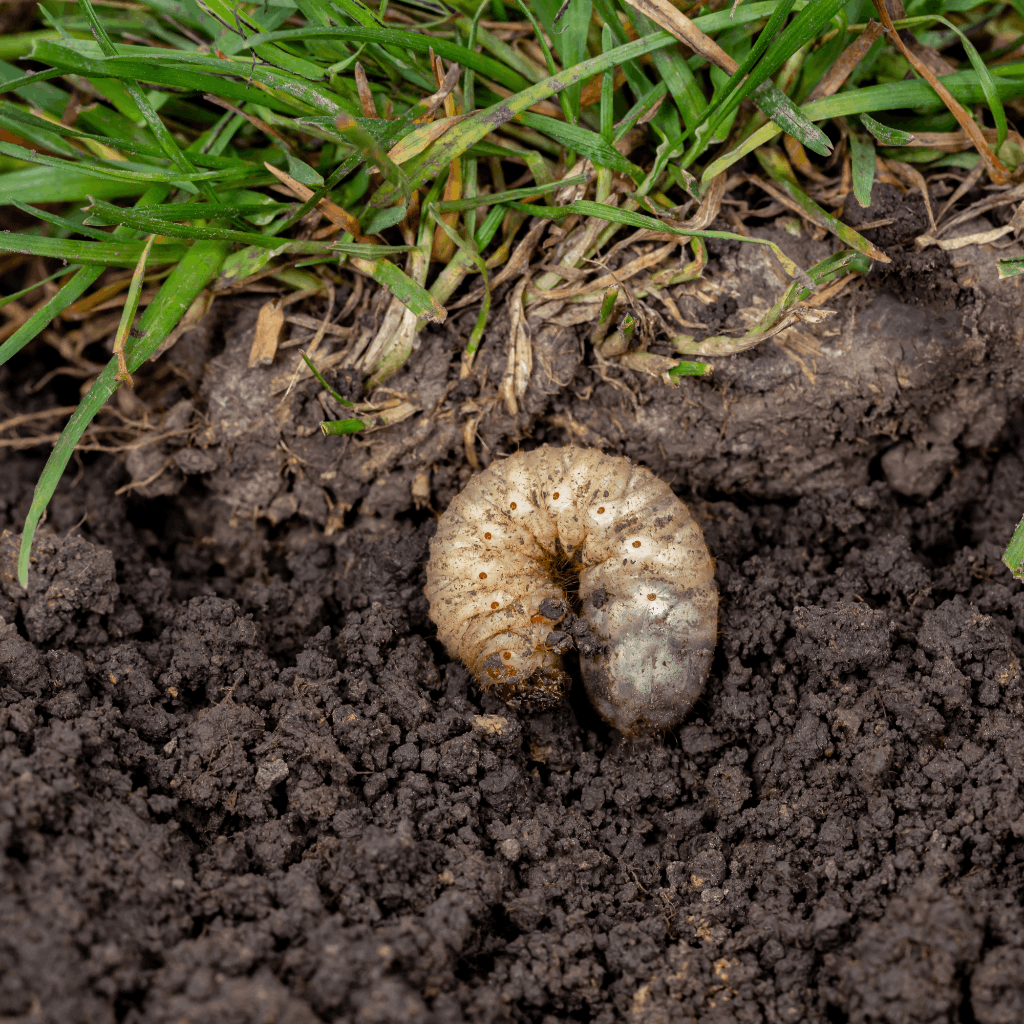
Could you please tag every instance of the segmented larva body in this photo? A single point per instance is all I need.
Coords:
(521, 534)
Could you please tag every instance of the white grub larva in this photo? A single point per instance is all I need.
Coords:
(563, 548)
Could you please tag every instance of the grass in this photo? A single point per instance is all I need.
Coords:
(1013, 556)
(200, 143)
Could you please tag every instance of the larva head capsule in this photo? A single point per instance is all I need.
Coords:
(643, 613)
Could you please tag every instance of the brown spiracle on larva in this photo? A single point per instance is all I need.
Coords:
(567, 547)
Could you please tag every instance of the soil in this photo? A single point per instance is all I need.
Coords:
(241, 782)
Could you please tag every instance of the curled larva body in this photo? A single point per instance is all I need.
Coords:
(568, 547)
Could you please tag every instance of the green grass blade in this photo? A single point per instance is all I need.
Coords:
(373, 151)
(128, 311)
(290, 96)
(756, 68)
(41, 319)
(51, 136)
(412, 41)
(14, 296)
(365, 250)
(674, 72)
(607, 109)
(506, 55)
(71, 291)
(338, 428)
(229, 15)
(204, 211)
(778, 170)
(614, 215)
(778, 107)
(23, 83)
(480, 124)
(62, 222)
(563, 97)
(639, 108)
(1013, 266)
(801, 30)
(107, 213)
(821, 58)
(666, 120)
(583, 142)
(988, 85)
(120, 171)
(25, 129)
(455, 205)
(141, 102)
(186, 281)
(343, 402)
(964, 85)
(729, 17)
(862, 158)
(687, 368)
(1013, 556)
(468, 251)
(886, 136)
(94, 254)
(408, 291)
(20, 45)
(570, 38)
(42, 185)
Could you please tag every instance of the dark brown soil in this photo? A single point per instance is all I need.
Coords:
(240, 781)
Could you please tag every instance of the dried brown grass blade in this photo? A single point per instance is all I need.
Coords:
(928, 55)
(886, 177)
(949, 244)
(848, 60)
(517, 263)
(710, 205)
(798, 158)
(86, 306)
(631, 269)
(269, 325)
(365, 96)
(963, 188)
(592, 91)
(443, 246)
(1017, 221)
(256, 122)
(321, 329)
(662, 13)
(996, 171)
(957, 142)
(334, 213)
(1013, 195)
(520, 352)
(302, 320)
(419, 138)
(722, 345)
(444, 90)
